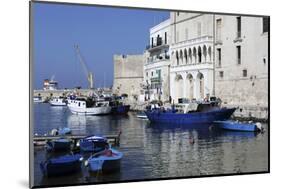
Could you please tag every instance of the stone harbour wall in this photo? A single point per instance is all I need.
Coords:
(128, 74)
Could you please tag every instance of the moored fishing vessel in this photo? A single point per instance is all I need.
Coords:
(193, 113)
(119, 107)
(62, 165)
(93, 144)
(58, 145)
(37, 99)
(58, 101)
(88, 106)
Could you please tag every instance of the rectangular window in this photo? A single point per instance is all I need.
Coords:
(265, 24)
(238, 49)
(165, 37)
(221, 74)
(186, 34)
(146, 74)
(219, 56)
(218, 29)
(151, 73)
(244, 73)
(238, 19)
(178, 13)
(199, 29)
(152, 42)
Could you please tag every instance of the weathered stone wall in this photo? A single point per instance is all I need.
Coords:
(128, 74)
(190, 26)
(249, 92)
(56, 93)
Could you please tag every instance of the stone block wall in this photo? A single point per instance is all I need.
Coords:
(128, 74)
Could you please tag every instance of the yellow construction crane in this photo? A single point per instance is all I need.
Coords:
(88, 74)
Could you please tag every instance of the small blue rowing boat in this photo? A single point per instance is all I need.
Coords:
(237, 126)
(64, 131)
(58, 145)
(62, 165)
(60, 131)
(93, 144)
(105, 161)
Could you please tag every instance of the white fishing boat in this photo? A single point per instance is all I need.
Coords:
(37, 99)
(58, 101)
(83, 106)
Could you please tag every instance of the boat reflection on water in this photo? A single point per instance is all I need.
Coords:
(203, 131)
(77, 124)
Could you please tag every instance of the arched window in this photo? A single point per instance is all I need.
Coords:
(185, 56)
(190, 55)
(181, 57)
(205, 53)
(177, 57)
(195, 55)
(199, 54)
(210, 53)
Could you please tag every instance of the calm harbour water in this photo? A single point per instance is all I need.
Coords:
(155, 151)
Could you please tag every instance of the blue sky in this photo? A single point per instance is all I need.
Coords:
(100, 32)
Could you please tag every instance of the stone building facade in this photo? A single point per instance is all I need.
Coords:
(128, 75)
(157, 66)
(191, 73)
(241, 48)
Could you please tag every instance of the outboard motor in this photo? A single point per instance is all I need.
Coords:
(260, 127)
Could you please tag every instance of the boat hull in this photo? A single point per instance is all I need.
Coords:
(61, 166)
(156, 116)
(124, 109)
(106, 164)
(59, 145)
(53, 103)
(234, 126)
(90, 111)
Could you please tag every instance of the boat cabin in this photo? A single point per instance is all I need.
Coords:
(88, 103)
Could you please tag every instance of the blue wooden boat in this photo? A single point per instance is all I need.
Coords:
(105, 161)
(237, 126)
(93, 144)
(64, 131)
(58, 145)
(120, 109)
(62, 165)
(201, 115)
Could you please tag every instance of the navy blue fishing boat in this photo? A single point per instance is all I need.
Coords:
(93, 144)
(62, 165)
(203, 113)
(119, 108)
(58, 145)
